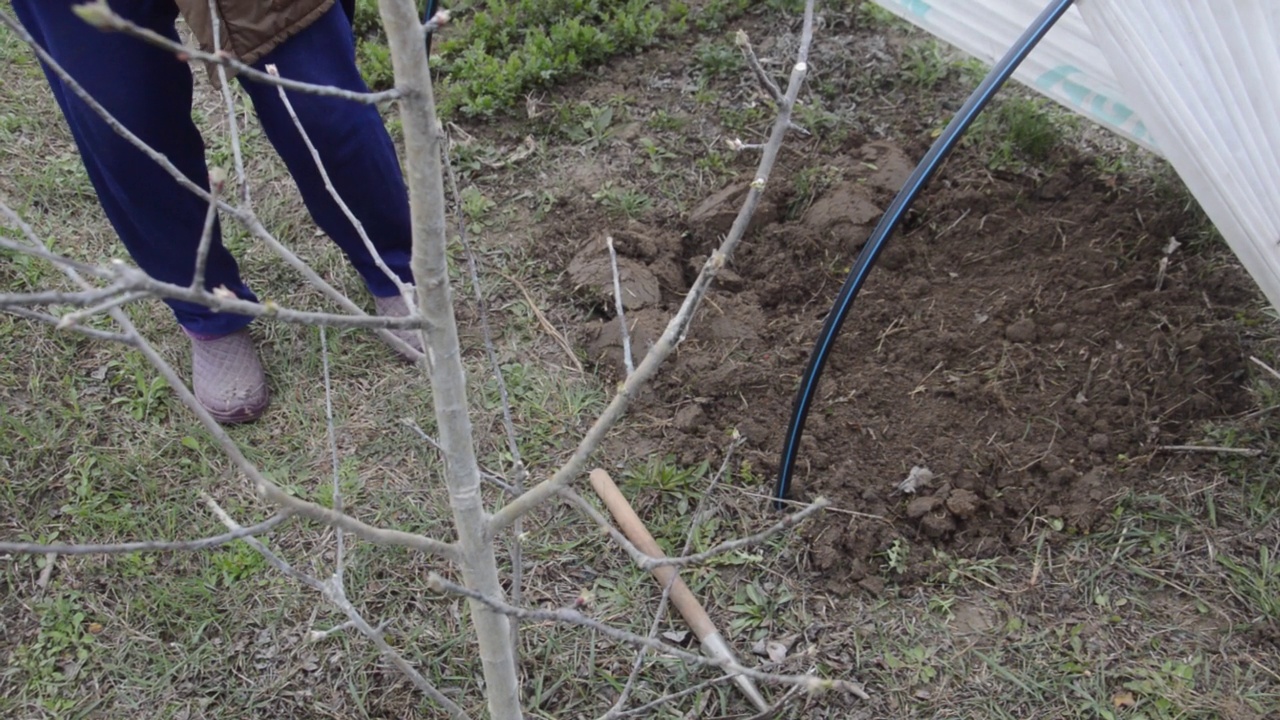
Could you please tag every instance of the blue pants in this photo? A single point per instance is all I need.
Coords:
(149, 91)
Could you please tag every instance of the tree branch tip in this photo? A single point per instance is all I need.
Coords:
(273, 70)
(97, 13)
(741, 39)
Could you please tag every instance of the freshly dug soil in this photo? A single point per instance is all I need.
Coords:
(1018, 339)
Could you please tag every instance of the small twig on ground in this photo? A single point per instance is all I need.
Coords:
(618, 306)
(144, 545)
(46, 572)
(672, 697)
(546, 323)
(1251, 452)
(777, 706)
(568, 616)
(829, 508)
(1274, 373)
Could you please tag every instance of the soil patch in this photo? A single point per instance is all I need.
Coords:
(1012, 340)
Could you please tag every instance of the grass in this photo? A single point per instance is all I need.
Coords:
(1168, 611)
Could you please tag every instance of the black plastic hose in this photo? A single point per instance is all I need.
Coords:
(942, 147)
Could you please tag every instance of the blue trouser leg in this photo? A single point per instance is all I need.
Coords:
(352, 142)
(149, 92)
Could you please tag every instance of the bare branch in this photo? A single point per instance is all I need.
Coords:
(731, 545)
(217, 179)
(627, 360)
(744, 43)
(649, 562)
(275, 560)
(146, 545)
(574, 498)
(404, 288)
(45, 254)
(268, 489)
(245, 217)
(61, 297)
(675, 330)
(375, 535)
(484, 474)
(430, 264)
(331, 431)
(568, 616)
(135, 280)
(57, 322)
(437, 21)
(333, 591)
(643, 710)
(318, 635)
(393, 656)
(233, 125)
(75, 318)
(107, 19)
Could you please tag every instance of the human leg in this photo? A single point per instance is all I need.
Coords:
(149, 92)
(160, 223)
(353, 144)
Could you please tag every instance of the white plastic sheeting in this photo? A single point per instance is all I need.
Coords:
(1066, 66)
(1197, 81)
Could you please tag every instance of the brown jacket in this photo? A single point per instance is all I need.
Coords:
(251, 28)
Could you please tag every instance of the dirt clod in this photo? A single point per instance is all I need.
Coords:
(963, 503)
(1023, 331)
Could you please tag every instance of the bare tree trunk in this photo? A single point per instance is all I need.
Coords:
(444, 362)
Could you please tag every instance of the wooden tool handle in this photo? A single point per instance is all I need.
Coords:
(681, 597)
(713, 643)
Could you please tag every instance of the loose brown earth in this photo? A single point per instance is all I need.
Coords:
(1017, 339)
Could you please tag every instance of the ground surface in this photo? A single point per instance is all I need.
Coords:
(1018, 338)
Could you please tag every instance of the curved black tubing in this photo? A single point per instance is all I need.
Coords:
(991, 84)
